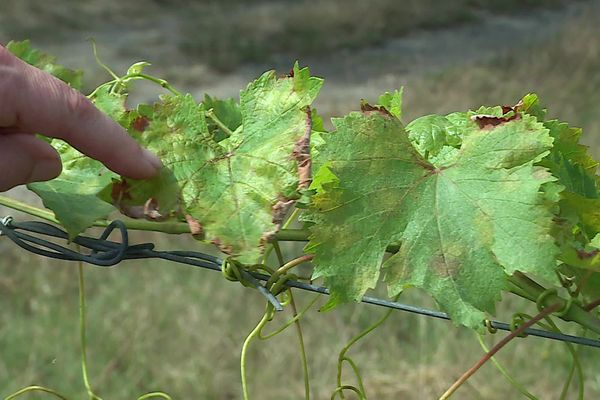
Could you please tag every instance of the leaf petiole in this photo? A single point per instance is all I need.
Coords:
(211, 114)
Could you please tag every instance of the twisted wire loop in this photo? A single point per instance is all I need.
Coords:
(106, 253)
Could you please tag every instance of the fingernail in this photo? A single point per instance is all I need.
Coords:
(152, 159)
(44, 170)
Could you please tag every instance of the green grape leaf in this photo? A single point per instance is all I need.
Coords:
(530, 104)
(575, 170)
(438, 138)
(587, 211)
(462, 227)
(392, 102)
(227, 111)
(570, 161)
(236, 190)
(138, 68)
(45, 62)
(72, 196)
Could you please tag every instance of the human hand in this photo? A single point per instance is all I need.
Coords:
(32, 101)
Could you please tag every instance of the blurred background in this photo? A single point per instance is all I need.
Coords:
(160, 326)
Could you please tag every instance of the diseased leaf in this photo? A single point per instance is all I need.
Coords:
(462, 227)
(45, 62)
(239, 188)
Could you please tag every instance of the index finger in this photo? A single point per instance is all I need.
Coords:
(33, 101)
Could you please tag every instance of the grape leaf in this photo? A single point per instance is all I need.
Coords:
(227, 111)
(462, 227)
(568, 160)
(45, 62)
(392, 102)
(72, 196)
(575, 170)
(239, 188)
(437, 137)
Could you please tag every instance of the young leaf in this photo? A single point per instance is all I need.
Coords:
(45, 62)
(392, 102)
(462, 227)
(228, 113)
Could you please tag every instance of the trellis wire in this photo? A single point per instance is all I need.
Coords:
(106, 253)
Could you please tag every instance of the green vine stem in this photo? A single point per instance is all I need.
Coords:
(275, 280)
(82, 334)
(343, 358)
(295, 315)
(541, 315)
(274, 243)
(255, 332)
(340, 390)
(289, 322)
(575, 367)
(520, 284)
(303, 357)
(516, 384)
(531, 290)
(160, 82)
(174, 227)
(161, 395)
(35, 389)
(211, 114)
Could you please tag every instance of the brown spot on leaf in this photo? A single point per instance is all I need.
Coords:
(280, 209)
(367, 109)
(509, 113)
(491, 121)
(140, 124)
(195, 227)
(120, 194)
(223, 248)
(301, 153)
(582, 254)
(444, 265)
(122, 199)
